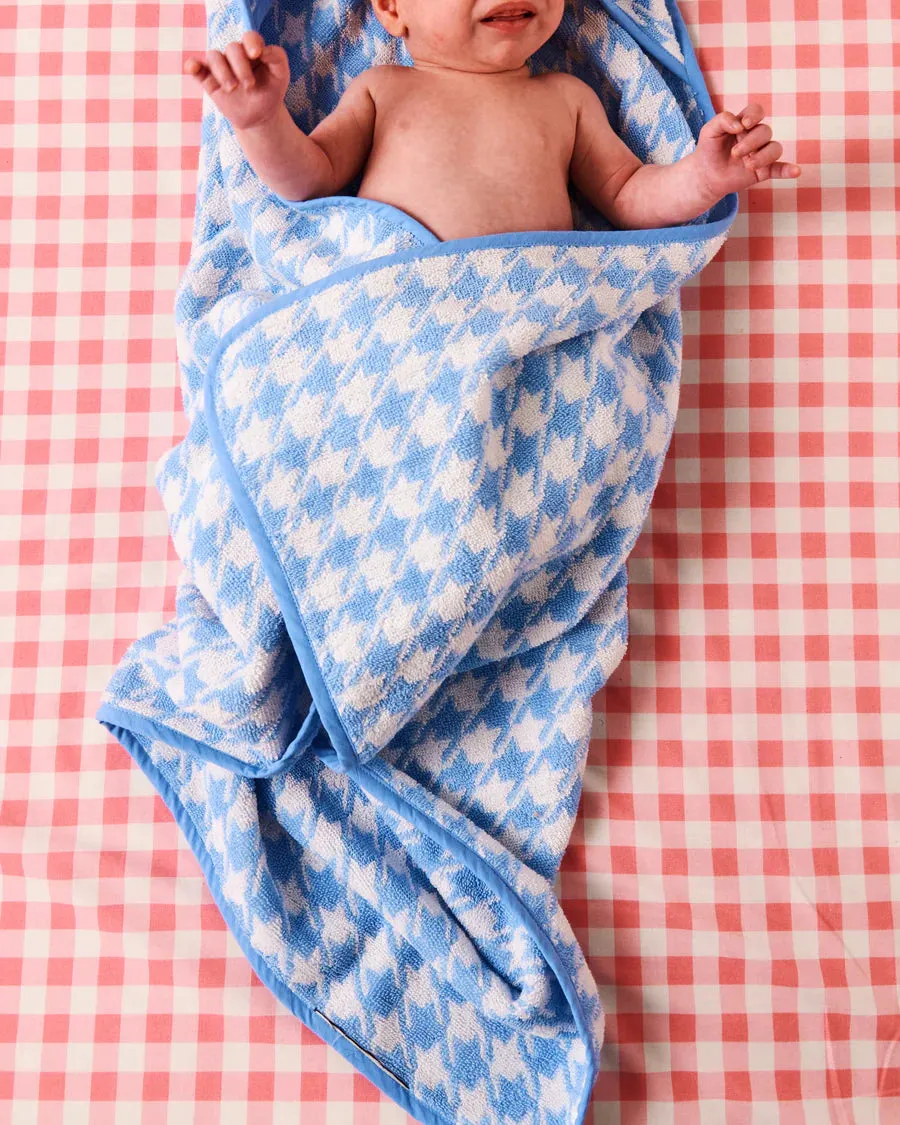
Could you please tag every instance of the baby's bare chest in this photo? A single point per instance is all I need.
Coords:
(472, 158)
(471, 135)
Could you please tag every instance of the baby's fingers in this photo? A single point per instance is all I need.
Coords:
(195, 68)
(240, 64)
(753, 140)
(254, 44)
(783, 171)
(275, 59)
(203, 74)
(751, 115)
(760, 162)
(724, 124)
(221, 72)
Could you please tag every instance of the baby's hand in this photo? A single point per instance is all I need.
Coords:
(735, 152)
(247, 83)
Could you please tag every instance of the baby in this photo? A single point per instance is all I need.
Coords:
(469, 142)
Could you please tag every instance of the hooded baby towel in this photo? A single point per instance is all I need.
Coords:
(413, 473)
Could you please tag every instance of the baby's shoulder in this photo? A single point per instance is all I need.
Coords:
(384, 74)
(377, 77)
(566, 86)
(382, 81)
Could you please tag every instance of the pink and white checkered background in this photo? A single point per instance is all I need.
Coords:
(735, 874)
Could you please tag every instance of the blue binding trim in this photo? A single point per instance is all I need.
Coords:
(694, 76)
(690, 232)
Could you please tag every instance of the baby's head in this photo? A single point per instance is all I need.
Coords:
(461, 35)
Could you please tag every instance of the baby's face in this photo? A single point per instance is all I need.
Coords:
(484, 36)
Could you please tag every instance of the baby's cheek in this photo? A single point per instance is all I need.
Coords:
(437, 32)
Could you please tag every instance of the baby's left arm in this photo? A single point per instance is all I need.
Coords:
(732, 153)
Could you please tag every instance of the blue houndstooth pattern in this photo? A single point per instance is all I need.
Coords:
(413, 474)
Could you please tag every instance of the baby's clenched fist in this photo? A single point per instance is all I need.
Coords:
(247, 82)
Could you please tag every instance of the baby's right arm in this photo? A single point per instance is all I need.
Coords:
(247, 85)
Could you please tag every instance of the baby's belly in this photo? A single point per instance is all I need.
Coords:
(460, 209)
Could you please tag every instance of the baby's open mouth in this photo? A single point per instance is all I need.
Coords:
(510, 15)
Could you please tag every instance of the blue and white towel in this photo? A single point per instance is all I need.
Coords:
(413, 475)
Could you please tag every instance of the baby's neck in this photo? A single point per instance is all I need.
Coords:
(516, 74)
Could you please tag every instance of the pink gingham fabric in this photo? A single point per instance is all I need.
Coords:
(734, 875)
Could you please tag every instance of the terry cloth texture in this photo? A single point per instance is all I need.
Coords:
(413, 474)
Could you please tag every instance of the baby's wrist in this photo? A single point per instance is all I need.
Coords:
(265, 127)
(708, 193)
